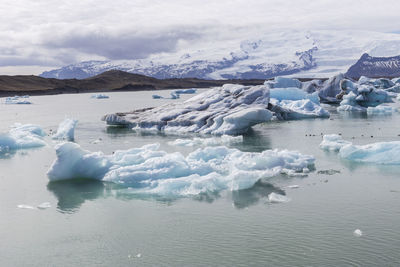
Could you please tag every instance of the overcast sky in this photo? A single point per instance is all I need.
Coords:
(42, 34)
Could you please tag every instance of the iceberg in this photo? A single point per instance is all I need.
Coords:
(302, 109)
(230, 109)
(381, 110)
(17, 100)
(147, 170)
(293, 94)
(66, 130)
(211, 141)
(386, 153)
(277, 198)
(331, 89)
(333, 142)
(185, 91)
(100, 96)
(349, 104)
(283, 82)
(22, 136)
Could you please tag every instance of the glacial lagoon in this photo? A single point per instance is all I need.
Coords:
(90, 222)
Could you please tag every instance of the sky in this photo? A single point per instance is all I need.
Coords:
(44, 34)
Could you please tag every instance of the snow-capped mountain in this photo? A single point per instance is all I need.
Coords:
(302, 54)
(375, 67)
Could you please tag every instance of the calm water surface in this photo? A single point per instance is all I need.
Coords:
(92, 223)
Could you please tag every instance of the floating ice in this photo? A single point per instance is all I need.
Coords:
(295, 186)
(333, 142)
(283, 82)
(157, 97)
(230, 109)
(349, 104)
(301, 109)
(357, 233)
(66, 130)
(378, 153)
(211, 141)
(21, 137)
(381, 110)
(100, 96)
(185, 91)
(386, 153)
(24, 206)
(147, 170)
(331, 89)
(277, 198)
(17, 100)
(293, 94)
(44, 205)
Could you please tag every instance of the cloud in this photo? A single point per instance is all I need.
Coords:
(55, 33)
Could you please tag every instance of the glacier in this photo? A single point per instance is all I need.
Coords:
(22, 136)
(147, 170)
(66, 130)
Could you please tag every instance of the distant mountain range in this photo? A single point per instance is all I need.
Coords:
(308, 54)
(375, 67)
(113, 80)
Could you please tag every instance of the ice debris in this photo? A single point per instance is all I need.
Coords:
(357, 233)
(66, 130)
(185, 91)
(44, 205)
(18, 100)
(277, 198)
(100, 96)
(147, 170)
(230, 109)
(22, 136)
(210, 141)
(24, 206)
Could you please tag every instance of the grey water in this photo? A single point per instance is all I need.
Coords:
(91, 223)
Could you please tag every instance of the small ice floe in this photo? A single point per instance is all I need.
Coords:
(66, 130)
(295, 186)
(22, 136)
(211, 141)
(333, 142)
(381, 110)
(157, 97)
(357, 233)
(99, 96)
(17, 100)
(98, 140)
(44, 205)
(185, 91)
(277, 198)
(24, 206)
(135, 256)
(328, 172)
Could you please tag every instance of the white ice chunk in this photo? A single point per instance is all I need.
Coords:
(381, 110)
(24, 206)
(211, 141)
(295, 186)
(150, 171)
(277, 198)
(44, 205)
(378, 153)
(284, 82)
(357, 233)
(100, 96)
(21, 137)
(66, 130)
(305, 108)
(333, 142)
(293, 94)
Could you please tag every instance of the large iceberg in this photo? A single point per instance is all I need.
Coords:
(230, 109)
(66, 130)
(22, 136)
(147, 170)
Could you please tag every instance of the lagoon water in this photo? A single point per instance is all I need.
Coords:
(91, 223)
